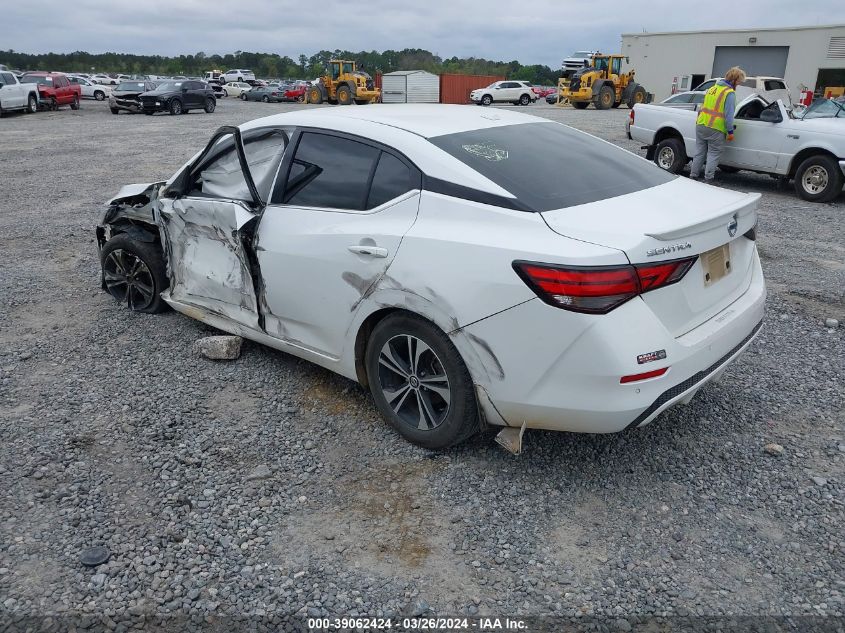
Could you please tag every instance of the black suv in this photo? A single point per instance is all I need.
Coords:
(179, 97)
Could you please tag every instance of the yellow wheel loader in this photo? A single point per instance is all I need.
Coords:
(344, 84)
(603, 84)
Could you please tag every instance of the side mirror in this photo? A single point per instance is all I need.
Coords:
(771, 116)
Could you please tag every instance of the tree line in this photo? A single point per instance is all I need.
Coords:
(273, 65)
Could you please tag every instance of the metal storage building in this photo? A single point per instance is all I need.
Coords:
(810, 56)
(410, 86)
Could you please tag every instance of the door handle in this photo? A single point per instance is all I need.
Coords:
(372, 251)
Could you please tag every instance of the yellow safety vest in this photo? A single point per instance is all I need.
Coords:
(712, 113)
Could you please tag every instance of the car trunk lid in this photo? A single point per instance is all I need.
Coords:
(675, 220)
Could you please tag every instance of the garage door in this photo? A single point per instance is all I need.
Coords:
(756, 61)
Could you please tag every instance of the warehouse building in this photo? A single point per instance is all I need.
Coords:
(807, 57)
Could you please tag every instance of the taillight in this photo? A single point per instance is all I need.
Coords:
(599, 289)
(631, 116)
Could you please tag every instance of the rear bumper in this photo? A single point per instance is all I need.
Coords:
(564, 373)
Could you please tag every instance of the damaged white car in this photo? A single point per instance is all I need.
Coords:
(469, 266)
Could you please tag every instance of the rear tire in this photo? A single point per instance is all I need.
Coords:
(819, 179)
(419, 382)
(581, 105)
(524, 100)
(243, 96)
(32, 104)
(210, 105)
(670, 155)
(134, 273)
(74, 105)
(99, 95)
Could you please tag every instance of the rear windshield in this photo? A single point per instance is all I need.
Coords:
(551, 166)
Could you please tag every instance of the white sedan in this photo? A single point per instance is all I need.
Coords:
(90, 89)
(468, 266)
(235, 88)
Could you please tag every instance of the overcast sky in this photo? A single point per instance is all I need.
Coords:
(531, 31)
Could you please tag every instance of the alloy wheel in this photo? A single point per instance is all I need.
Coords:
(414, 382)
(666, 158)
(129, 279)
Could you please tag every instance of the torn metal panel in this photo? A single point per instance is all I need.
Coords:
(208, 263)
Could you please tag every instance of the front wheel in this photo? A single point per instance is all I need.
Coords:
(606, 98)
(134, 273)
(175, 107)
(344, 95)
(210, 105)
(670, 155)
(486, 100)
(818, 179)
(419, 382)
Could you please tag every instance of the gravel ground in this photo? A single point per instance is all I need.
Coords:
(267, 488)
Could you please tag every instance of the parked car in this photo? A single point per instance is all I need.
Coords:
(552, 98)
(295, 92)
(54, 90)
(179, 97)
(127, 96)
(16, 96)
(770, 88)
(89, 88)
(516, 92)
(217, 89)
(260, 93)
(768, 139)
(105, 80)
(688, 100)
(240, 75)
(236, 88)
(431, 253)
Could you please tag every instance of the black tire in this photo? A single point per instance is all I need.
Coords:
(344, 95)
(728, 169)
(581, 105)
(138, 286)
(243, 96)
(639, 95)
(524, 100)
(605, 99)
(225, 93)
(99, 95)
(617, 104)
(819, 179)
(74, 105)
(2, 113)
(32, 104)
(210, 105)
(175, 107)
(670, 155)
(265, 99)
(486, 100)
(315, 95)
(114, 110)
(449, 420)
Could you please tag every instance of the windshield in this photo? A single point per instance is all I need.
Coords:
(37, 79)
(582, 54)
(132, 85)
(824, 109)
(169, 85)
(551, 166)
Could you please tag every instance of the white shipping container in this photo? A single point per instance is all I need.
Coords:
(410, 86)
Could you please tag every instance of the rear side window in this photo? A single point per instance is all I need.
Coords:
(391, 179)
(771, 84)
(329, 171)
(551, 166)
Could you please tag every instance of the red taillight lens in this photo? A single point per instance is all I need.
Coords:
(631, 117)
(643, 376)
(600, 289)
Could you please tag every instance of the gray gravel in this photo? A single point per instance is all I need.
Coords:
(268, 488)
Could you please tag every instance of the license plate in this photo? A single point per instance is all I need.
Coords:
(716, 264)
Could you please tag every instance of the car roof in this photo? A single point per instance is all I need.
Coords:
(426, 120)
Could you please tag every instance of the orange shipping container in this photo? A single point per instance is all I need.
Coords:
(456, 88)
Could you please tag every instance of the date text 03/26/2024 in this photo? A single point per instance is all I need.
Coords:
(417, 624)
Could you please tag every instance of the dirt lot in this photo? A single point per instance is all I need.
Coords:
(267, 487)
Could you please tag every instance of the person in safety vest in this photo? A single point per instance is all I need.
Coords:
(715, 124)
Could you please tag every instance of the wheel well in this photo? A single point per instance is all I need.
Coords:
(804, 154)
(667, 132)
(363, 337)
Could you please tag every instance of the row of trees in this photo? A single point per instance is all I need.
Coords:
(272, 65)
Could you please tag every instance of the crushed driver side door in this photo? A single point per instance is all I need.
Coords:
(207, 217)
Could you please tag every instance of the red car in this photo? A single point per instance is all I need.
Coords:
(54, 90)
(295, 93)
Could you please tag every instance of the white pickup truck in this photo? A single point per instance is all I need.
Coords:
(16, 96)
(768, 140)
